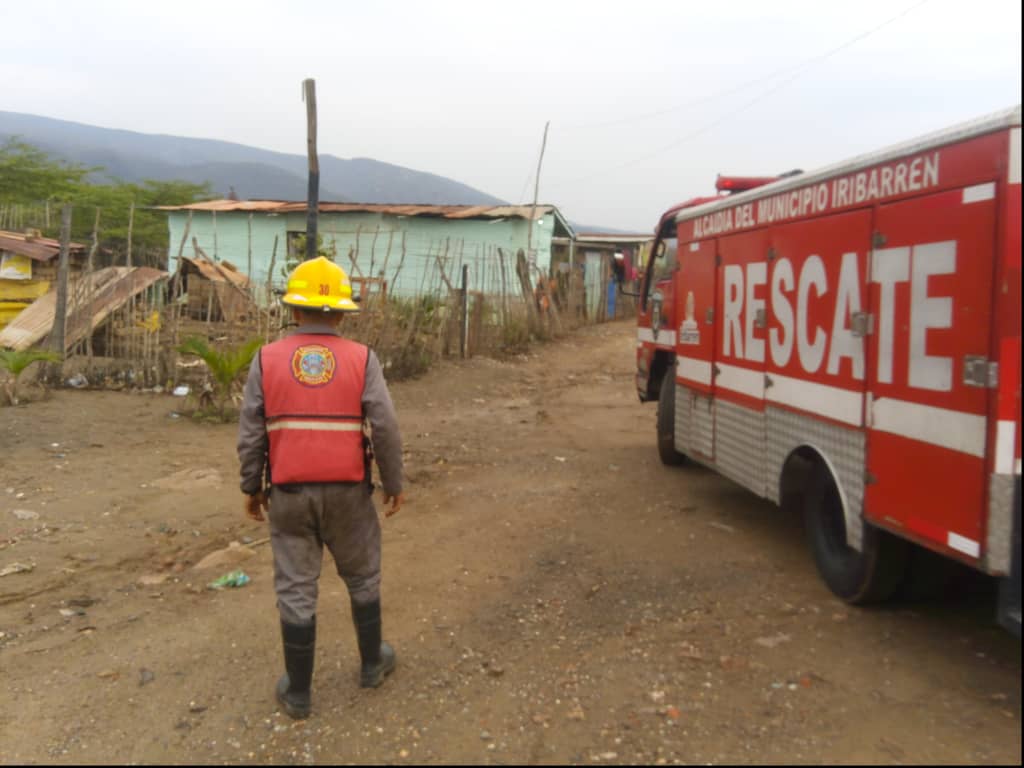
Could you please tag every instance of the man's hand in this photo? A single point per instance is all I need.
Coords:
(395, 502)
(255, 504)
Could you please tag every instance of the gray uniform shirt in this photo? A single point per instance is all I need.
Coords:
(377, 408)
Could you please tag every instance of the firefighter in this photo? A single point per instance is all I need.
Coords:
(305, 404)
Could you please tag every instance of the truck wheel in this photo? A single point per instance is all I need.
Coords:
(667, 421)
(868, 576)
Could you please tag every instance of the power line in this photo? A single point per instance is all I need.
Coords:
(522, 192)
(801, 68)
(757, 81)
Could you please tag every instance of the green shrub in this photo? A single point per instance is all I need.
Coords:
(15, 361)
(225, 366)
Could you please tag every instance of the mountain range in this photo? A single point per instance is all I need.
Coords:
(253, 173)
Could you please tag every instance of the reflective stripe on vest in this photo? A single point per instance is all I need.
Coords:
(312, 392)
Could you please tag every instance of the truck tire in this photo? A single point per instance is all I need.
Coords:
(667, 421)
(868, 576)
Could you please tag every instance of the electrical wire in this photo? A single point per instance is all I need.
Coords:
(801, 68)
(522, 192)
(749, 83)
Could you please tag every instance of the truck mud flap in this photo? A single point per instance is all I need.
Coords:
(1009, 588)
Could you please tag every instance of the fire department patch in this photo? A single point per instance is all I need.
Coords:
(313, 365)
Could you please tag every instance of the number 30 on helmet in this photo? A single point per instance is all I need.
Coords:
(319, 284)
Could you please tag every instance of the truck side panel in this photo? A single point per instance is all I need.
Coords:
(818, 288)
(1004, 523)
(929, 390)
(739, 359)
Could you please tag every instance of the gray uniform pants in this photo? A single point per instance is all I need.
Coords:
(306, 517)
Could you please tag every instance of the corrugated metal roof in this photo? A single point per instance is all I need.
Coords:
(442, 211)
(222, 272)
(501, 212)
(229, 206)
(610, 237)
(37, 248)
(111, 288)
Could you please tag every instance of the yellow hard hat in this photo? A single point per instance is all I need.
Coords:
(320, 284)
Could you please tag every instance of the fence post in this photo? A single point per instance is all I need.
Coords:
(131, 222)
(60, 314)
(464, 326)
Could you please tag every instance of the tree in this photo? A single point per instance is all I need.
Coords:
(149, 228)
(297, 252)
(29, 175)
(225, 367)
(16, 361)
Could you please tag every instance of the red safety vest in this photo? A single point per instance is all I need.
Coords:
(313, 393)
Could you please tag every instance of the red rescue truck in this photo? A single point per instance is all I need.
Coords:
(849, 340)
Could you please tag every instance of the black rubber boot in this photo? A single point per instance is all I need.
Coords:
(378, 657)
(299, 642)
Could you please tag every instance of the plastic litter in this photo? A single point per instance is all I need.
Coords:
(232, 579)
(181, 390)
(16, 568)
(78, 381)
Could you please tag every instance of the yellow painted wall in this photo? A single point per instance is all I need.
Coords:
(15, 295)
(10, 310)
(27, 290)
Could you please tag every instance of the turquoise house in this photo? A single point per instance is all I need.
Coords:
(412, 249)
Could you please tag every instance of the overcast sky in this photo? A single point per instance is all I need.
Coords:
(647, 100)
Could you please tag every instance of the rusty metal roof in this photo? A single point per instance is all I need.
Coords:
(88, 306)
(36, 248)
(230, 206)
(219, 272)
(442, 211)
(613, 237)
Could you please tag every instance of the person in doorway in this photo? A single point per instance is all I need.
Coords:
(306, 401)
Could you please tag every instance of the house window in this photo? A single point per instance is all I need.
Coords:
(295, 242)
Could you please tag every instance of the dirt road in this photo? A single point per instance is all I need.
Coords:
(554, 593)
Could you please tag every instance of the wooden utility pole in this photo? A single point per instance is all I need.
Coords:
(536, 190)
(88, 277)
(131, 222)
(181, 246)
(313, 195)
(60, 315)
(270, 286)
(464, 325)
(249, 257)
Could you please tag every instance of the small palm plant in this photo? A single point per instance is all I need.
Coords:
(15, 361)
(225, 366)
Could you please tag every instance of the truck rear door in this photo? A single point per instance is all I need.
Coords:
(931, 293)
